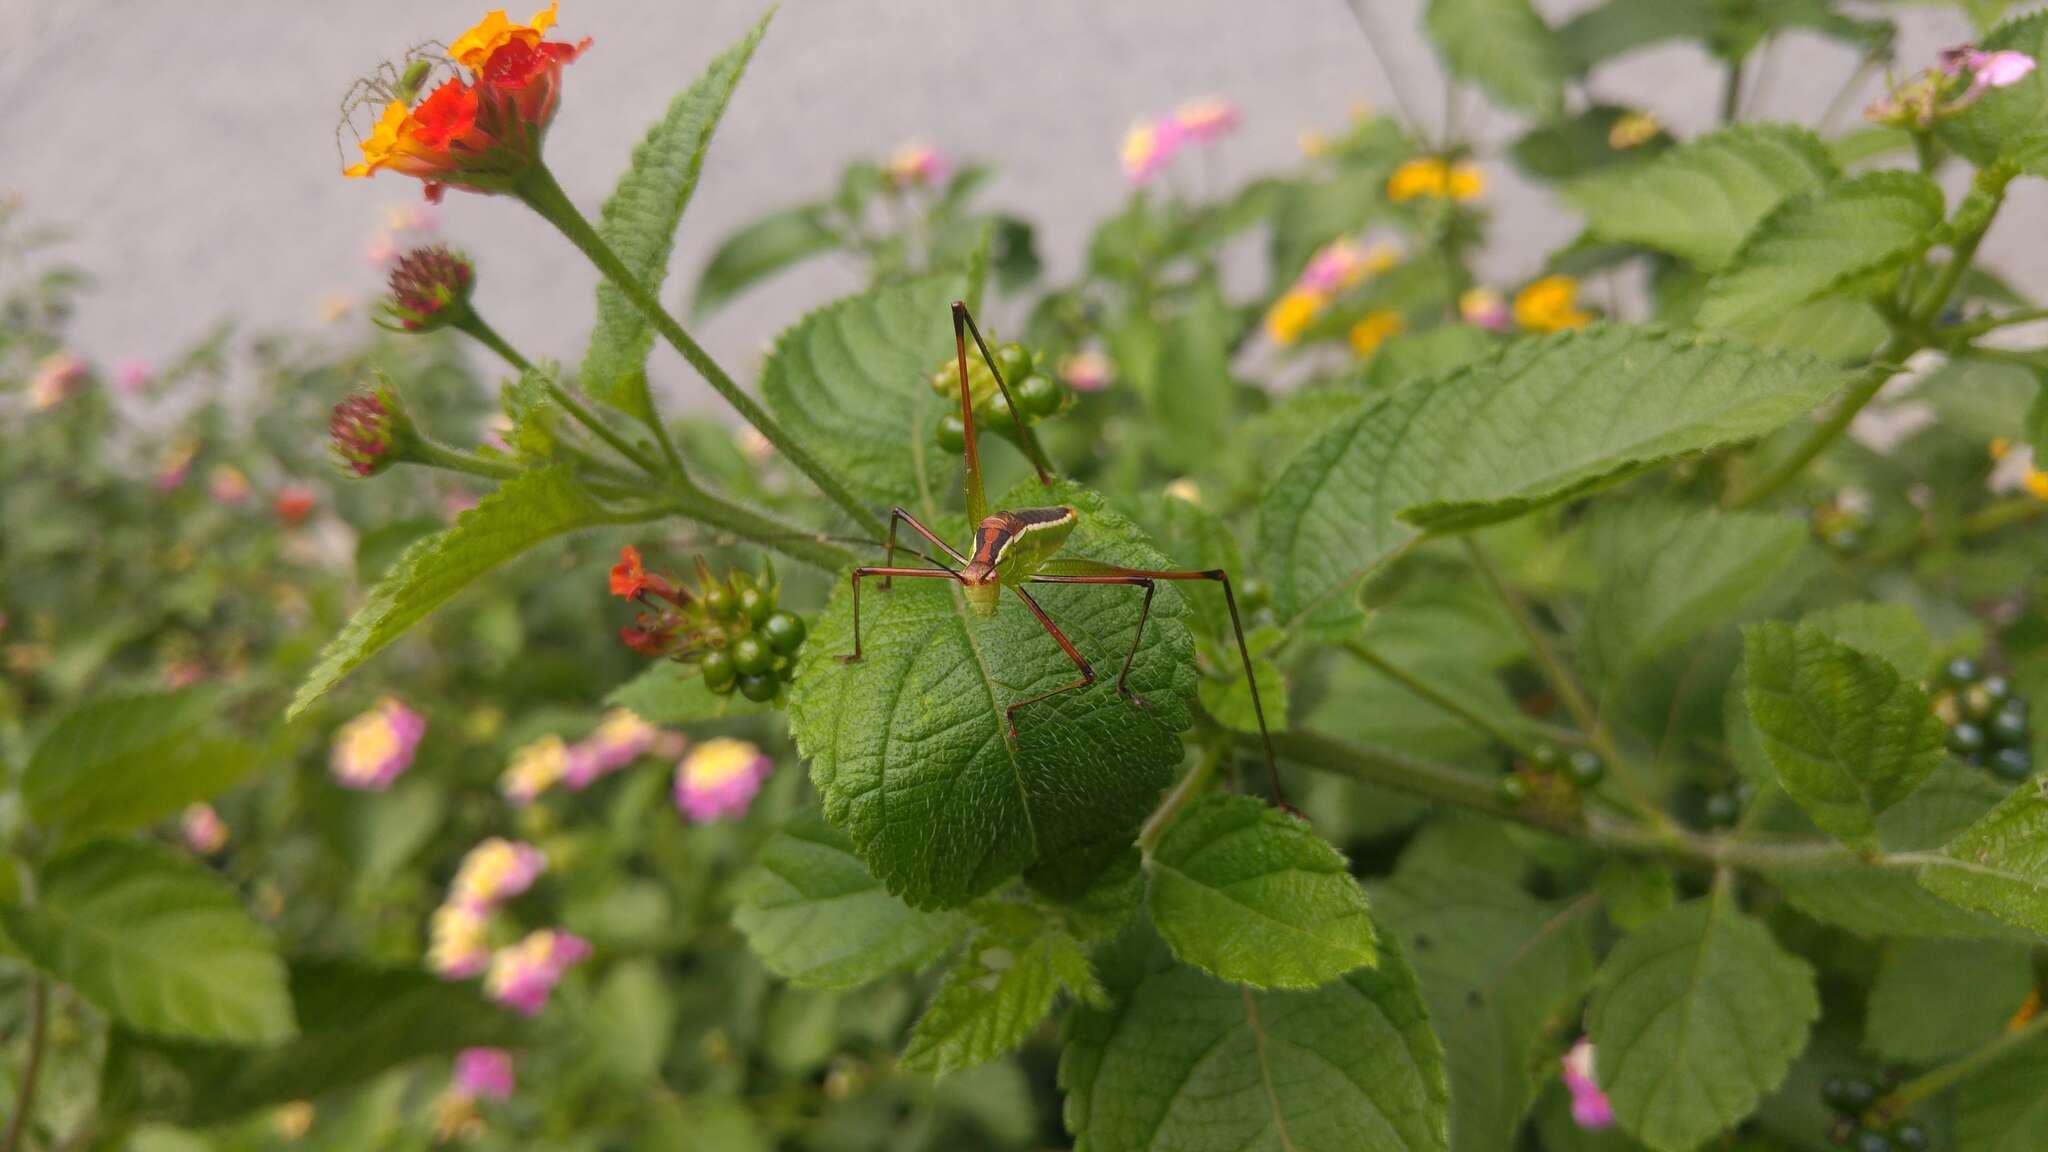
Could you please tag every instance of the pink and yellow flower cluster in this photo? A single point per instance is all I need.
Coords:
(376, 747)
(1151, 145)
(1336, 268)
(719, 779)
(619, 739)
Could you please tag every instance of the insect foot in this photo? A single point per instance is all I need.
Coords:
(1136, 701)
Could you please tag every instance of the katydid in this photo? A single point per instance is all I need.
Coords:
(1012, 548)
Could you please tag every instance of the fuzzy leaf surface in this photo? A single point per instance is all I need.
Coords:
(124, 762)
(1504, 47)
(1999, 865)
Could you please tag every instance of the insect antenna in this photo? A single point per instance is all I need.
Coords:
(1025, 437)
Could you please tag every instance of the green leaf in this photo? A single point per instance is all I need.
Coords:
(355, 1022)
(1838, 239)
(1999, 866)
(1192, 411)
(1249, 894)
(2008, 123)
(639, 225)
(1413, 356)
(1619, 27)
(632, 1021)
(1504, 47)
(815, 917)
(1225, 694)
(125, 762)
(2002, 1108)
(524, 511)
(671, 693)
(1668, 575)
(1577, 146)
(1891, 632)
(999, 991)
(1934, 1000)
(908, 747)
(1695, 1018)
(851, 383)
(1186, 1061)
(1498, 968)
(1498, 439)
(1701, 199)
(156, 941)
(760, 250)
(1848, 735)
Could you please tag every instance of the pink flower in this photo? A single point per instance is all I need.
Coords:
(523, 975)
(1590, 1109)
(1088, 371)
(175, 465)
(1987, 69)
(458, 944)
(1205, 121)
(205, 832)
(485, 1072)
(376, 747)
(494, 872)
(534, 769)
(1485, 308)
(227, 485)
(133, 375)
(719, 779)
(56, 377)
(620, 739)
(1150, 146)
(915, 165)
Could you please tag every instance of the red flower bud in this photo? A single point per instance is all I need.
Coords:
(369, 431)
(429, 288)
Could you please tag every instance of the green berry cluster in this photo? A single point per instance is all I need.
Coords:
(749, 643)
(1037, 396)
(1854, 1126)
(1987, 723)
(1552, 777)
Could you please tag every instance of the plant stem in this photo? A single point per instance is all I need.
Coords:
(435, 454)
(1933, 1083)
(473, 326)
(1442, 700)
(25, 1095)
(476, 328)
(1731, 91)
(1991, 324)
(1367, 26)
(2003, 514)
(1189, 787)
(1861, 391)
(697, 504)
(544, 195)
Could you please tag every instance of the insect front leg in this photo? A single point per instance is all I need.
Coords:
(885, 573)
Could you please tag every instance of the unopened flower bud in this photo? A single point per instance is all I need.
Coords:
(429, 288)
(370, 430)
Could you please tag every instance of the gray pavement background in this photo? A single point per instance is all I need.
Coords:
(190, 145)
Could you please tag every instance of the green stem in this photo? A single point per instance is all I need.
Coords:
(539, 190)
(1978, 328)
(25, 1094)
(1189, 787)
(695, 503)
(435, 454)
(1933, 1083)
(1442, 700)
(2001, 515)
(477, 329)
(473, 326)
(1731, 91)
(1923, 151)
(1865, 387)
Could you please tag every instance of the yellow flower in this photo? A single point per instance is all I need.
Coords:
(1422, 176)
(1290, 316)
(2036, 483)
(1466, 183)
(1313, 143)
(1185, 489)
(1550, 304)
(1373, 330)
(474, 47)
(292, 1120)
(1633, 130)
(1999, 447)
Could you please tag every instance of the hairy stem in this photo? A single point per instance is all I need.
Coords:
(1861, 391)
(25, 1095)
(1933, 1083)
(1443, 700)
(695, 503)
(544, 195)
(435, 454)
(475, 327)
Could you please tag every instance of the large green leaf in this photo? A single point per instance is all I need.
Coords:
(1848, 735)
(760, 250)
(156, 941)
(909, 750)
(1548, 419)
(999, 990)
(1498, 969)
(355, 1022)
(1934, 1000)
(673, 693)
(1695, 1018)
(1619, 27)
(1191, 406)
(1250, 894)
(2009, 123)
(814, 916)
(1838, 239)
(2002, 1108)
(524, 511)
(639, 224)
(1185, 1061)
(127, 761)
(851, 383)
(1999, 866)
(1701, 199)
(1504, 47)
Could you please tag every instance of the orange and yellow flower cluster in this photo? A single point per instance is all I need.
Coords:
(1337, 267)
(1432, 178)
(482, 129)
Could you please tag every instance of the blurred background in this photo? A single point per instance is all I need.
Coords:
(192, 150)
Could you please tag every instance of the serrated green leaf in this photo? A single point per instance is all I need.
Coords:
(524, 511)
(1999, 866)
(672, 693)
(2002, 1108)
(1421, 355)
(1488, 443)
(1250, 894)
(1848, 735)
(124, 762)
(998, 992)
(639, 224)
(2009, 123)
(156, 941)
(1577, 146)
(1837, 239)
(815, 917)
(1504, 47)
(1694, 1019)
(1892, 632)
(1193, 411)
(1619, 27)
(1498, 967)
(1186, 1061)
(1702, 198)
(355, 1021)
(760, 250)
(908, 747)
(1668, 575)
(1934, 1000)
(1635, 892)
(850, 383)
